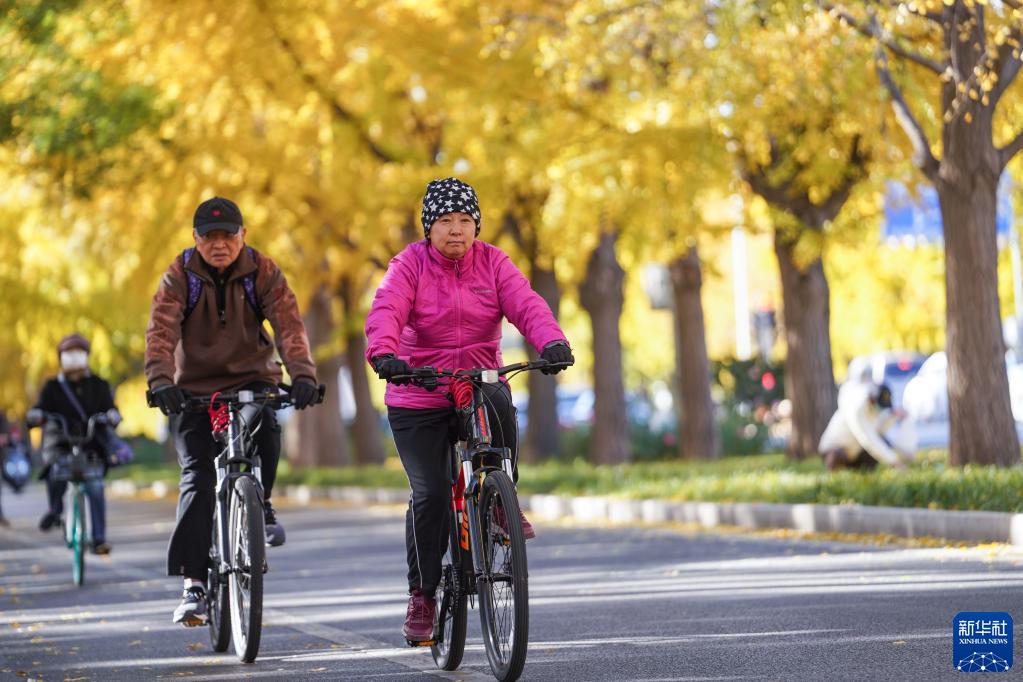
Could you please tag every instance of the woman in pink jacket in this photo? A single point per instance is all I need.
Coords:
(441, 303)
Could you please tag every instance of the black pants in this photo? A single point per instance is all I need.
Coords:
(97, 503)
(189, 549)
(840, 459)
(424, 439)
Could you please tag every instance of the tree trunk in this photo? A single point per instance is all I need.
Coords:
(982, 426)
(316, 436)
(698, 437)
(543, 438)
(602, 295)
(368, 439)
(809, 378)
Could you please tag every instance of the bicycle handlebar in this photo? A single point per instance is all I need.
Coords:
(426, 373)
(278, 398)
(90, 427)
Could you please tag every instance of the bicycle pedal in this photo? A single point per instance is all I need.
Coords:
(193, 622)
(415, 643)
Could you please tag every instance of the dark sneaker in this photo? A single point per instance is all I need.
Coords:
(192, 609)
(274, 530)
(101, 548)
(48, 521)
(419, 619)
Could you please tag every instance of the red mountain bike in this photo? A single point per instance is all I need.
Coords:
(486, 553)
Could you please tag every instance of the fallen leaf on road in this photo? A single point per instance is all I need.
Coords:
(36, 640)
(195, 646)
(899, 642)
(184, 674)
(36, 568)
(137, 642)
(317, 670)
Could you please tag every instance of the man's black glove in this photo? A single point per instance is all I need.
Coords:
(556, 352)
(388, 366)
(303, 393)
(169, 398)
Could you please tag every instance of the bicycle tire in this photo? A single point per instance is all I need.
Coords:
(451, 620)
(78, 538)
(218, 599)
(505, 626)
(248, 552)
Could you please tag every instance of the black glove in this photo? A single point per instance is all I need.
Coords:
(303, 393)
(388, 366)
(556, 352)
(169, 398)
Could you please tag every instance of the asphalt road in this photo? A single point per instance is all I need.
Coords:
(606, 604)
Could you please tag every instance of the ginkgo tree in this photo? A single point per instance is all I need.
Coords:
(950, 69)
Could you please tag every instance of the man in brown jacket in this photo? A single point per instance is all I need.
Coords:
(206, 334)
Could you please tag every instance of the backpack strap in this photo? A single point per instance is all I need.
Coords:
(194, 284)
(71, 397)
(249, 284)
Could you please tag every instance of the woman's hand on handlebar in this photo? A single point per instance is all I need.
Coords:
(388, 366)
(558, 356)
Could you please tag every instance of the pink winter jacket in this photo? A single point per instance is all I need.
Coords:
(431, 310)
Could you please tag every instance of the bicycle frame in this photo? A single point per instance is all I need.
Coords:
(476, 456)
(228, 465)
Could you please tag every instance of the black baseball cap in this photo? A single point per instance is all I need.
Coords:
(217, 213)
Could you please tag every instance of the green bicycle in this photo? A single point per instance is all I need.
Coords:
(81, 467)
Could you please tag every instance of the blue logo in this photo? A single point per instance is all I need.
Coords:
(982, 642)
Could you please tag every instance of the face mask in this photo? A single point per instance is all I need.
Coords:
(74, 360)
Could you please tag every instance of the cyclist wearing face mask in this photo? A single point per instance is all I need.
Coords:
(441, 303)
(76, 394)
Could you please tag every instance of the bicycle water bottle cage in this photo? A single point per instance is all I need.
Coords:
(220, 415)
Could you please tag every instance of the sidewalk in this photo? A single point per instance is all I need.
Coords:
(905, 522)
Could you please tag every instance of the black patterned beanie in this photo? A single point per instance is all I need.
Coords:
(449, 196)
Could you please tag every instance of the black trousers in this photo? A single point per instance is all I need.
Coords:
(424, 439)
(189, 549)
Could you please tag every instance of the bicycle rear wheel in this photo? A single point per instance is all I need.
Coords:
(77, 537)
(247, 556)
(504, 587)
(449, 624)
(218, 601)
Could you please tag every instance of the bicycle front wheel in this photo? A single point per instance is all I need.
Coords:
(449, 624)
(77, 537)
(247, 557)
(504, 586)
(219, 597)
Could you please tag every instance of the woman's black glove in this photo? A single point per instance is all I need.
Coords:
(556, 353)
(388, 366)
(169, 398)
(303, 393)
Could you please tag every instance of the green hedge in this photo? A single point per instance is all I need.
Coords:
(757, 478)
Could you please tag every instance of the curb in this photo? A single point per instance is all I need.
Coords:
(905, 522)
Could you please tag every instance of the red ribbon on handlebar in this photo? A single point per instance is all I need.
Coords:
(220, 416)
(461, 392)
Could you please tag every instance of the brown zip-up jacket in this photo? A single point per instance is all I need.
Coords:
(211, 352)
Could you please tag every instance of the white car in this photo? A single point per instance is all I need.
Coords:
(926, 400)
